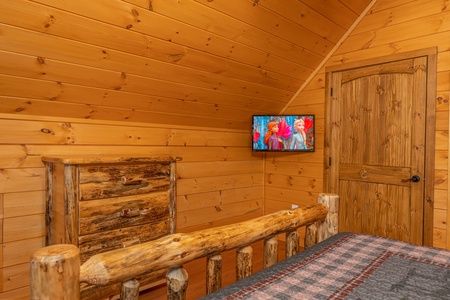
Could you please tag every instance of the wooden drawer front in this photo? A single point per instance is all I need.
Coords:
(97, 182)
(114, 213)
(113, 239)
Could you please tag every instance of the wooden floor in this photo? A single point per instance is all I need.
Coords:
(197, 273)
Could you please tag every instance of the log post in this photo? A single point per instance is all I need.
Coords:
(270, 251)
(129, 290)
(292, 243)
(244, 266)
(321, 230)
(177, 283)
(311, 235)
(213, 273)
(55, 273)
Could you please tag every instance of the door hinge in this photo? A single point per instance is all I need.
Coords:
(331, 92)
(329, 161)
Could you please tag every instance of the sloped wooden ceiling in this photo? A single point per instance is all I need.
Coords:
(186, 62)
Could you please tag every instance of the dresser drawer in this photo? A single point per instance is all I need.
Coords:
(92, 244)
(114, 213)
(106, 181)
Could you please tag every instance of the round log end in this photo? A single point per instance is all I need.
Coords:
(56, 252)
(54, 272)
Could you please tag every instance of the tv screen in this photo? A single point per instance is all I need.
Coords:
(283, 133)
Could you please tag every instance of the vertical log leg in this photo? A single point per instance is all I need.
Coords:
(311, 235)
(55, 273)
(213, 273)
(329, 226)
(177, 283)
(130, 290)
(321, 230)
(270, 252)
(292, 243)
(244, 266)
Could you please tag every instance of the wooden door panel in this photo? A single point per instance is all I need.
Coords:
(373, 208)
(376, 114)
(377, 141)
(405, 66)
(376, 174)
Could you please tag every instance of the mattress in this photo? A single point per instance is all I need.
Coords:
(350, 266)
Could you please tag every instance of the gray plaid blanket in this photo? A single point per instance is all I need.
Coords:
(351, 266)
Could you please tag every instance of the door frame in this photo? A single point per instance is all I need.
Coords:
(430, 131)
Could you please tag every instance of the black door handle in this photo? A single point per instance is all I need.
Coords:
(415, 178)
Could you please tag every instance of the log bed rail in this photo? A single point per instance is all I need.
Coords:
(56, 273)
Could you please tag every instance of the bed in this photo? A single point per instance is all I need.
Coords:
(333, 266)
(350, 266)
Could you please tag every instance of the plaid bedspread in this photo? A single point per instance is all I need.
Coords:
(351, 266)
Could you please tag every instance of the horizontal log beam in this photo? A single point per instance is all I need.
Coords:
(180, 248)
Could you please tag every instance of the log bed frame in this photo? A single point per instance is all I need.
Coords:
(56, 273)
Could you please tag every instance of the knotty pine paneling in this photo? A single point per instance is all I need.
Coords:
(17, 294)
(393, 27)
(14, 278)
(338, 12)
(189, 63)
(101, 70)
(23, 204)
(223, 24)
(219, 180)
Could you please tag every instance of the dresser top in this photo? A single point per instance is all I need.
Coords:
(80, 160)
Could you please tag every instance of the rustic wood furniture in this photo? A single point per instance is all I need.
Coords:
(99, 204)
(56, 271)
(358, 266)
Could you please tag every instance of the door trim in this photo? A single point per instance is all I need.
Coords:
(430, 131)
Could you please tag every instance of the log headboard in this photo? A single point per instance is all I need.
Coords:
(56, 271)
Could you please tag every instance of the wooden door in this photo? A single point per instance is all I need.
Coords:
(376, 144)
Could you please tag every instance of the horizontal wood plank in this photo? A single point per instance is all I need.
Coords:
(19, 252)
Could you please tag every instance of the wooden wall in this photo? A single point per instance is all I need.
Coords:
(390, 27)
(191, 62)
(106, 72)
(219, 180)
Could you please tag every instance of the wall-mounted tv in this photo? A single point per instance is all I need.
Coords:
(283, 133)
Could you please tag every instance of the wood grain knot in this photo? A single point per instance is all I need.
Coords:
(46, 131)
(363, 173)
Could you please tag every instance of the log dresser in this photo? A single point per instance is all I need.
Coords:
(103, 203)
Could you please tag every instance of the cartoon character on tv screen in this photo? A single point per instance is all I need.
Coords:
(299, 138)
(271, 139)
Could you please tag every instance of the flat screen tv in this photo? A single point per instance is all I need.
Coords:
(283, 133)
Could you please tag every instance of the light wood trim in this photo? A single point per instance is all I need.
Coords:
(430, 146)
